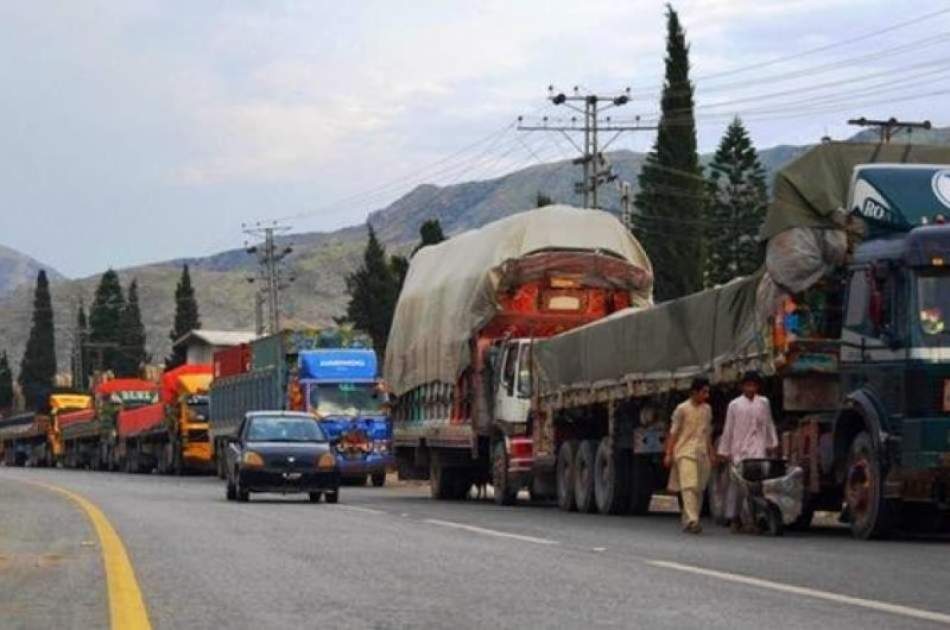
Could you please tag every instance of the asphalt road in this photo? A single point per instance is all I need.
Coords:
(393, 558)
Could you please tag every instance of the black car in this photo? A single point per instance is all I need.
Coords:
(282, 452)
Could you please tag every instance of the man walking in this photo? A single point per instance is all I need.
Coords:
(749, 434)
(689, 453)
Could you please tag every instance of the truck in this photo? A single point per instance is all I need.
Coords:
(461, 404)
(171, 435)
(283, 372)
(846, 321)
(90, 436)
(34, 439)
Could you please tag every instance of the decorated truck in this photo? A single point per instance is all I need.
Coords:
(90, 436)
(34, 439)
(461, 403)
(170, 436)
(847, 321)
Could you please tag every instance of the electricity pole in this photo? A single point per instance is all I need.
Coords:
(269, 259)
(887, 128)
(596, 171)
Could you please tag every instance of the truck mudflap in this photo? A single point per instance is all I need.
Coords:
(520, 454)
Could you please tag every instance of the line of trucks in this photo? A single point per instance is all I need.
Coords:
(529, 354)
(183, 422)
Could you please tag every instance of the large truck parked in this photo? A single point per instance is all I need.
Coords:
(33, 439)
(284, 372)
(461, 402)
(170, 436)
(90, 436)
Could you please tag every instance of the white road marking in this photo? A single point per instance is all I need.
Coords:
(894, 609)
(491, 532)
(354, 508)
(599, 549)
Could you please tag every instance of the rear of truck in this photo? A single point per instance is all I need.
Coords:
(185, 394)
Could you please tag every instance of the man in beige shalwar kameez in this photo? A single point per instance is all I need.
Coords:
(689, 453)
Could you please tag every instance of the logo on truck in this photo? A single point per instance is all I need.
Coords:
(941, 186)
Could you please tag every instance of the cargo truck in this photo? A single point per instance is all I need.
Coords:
(461, 404)
(34, 439)
(847, 321)
(170, 436)
(273, 375)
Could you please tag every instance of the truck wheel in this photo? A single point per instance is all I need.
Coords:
(441, 480)
(565, 476)
(610, 478)
(584, 476)
(333, 497)
(315, 497)
(505, 493)
(641, 485)
(379, 479)
(872, 516)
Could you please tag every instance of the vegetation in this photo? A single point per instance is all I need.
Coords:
(373, 290)
(542, 200)
(187, 317)
(104, 317)
(671, 201)
(131, 337)
(737, 203)
(80, 358)
(38, 366)
(6, 383)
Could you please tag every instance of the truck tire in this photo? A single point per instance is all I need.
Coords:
(610, 478)
(872, 516)
(641, 485)
(584, 476)
(565, 476)
(505, 492)
(379, 480)
(447, 484)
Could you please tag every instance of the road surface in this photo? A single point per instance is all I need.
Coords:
(393, 558)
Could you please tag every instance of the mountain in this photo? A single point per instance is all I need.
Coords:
(321, 260)
(19, 269)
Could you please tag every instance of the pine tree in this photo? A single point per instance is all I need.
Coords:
(80, 353)
(186, 317)
(373, 291)
(6, 384)
(104, 316)
(671, 198)
(737, 203)
(400, 267)
(430, 233)
(542, 200)
(38, 366)
(132, 355)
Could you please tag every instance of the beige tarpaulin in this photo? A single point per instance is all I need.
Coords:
(450, 291)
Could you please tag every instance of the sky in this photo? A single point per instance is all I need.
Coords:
(143, 130)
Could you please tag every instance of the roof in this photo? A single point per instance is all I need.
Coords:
(216, 337)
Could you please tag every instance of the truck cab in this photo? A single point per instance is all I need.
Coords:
(341, 389)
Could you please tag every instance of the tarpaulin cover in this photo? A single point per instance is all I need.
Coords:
(125, 385)
(451, 288)
(680, 338)
(189, 379)
(339, 365)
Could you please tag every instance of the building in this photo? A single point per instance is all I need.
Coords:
(200, 345)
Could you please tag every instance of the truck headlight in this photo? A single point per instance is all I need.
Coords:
(381, 447)
(250, 459)
(326, 462)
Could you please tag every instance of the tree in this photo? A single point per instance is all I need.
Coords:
(373, 291)
(6, 383)
(542, 200)
(737, 203)
(400, 267)
(431, 233)
(38, 366)
(131, 356)
(671, 200)
(186, 317)
(104, 319)
(80, 353)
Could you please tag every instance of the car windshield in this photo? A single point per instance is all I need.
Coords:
(282, 429)
(198, 405)
(933, 301)
(346, 399)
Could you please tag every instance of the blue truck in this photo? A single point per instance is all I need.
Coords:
(326, 373)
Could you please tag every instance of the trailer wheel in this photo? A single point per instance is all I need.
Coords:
(872, 516)
(584, 476)
(379, 480)
(505, 494)
(641, 485)
(610, 478)
(565, 476)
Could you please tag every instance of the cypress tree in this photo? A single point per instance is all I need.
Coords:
(671, 197)
(187, 317)
(38, 366)
(6, 383)
(373, 291)
(131, 356)
(80, 353)
(430, 233)
(104, 319)
(542, 200)
(737, 203)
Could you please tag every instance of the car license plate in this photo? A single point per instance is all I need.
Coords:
(294, 476)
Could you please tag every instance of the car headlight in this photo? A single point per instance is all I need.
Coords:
(326, 462)
(250, 459)
(381, 447)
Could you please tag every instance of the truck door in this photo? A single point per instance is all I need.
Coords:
(513, 394)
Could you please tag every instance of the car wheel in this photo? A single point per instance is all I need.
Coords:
(231, 492)
(333, 497)
(242, 495)
(315, 497)
(379, 480)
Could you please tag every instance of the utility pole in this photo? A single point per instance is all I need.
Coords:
(887, 128)
(596, 171)
(269, 276)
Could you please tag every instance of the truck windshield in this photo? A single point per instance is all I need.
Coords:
(198, 405)
(933, 302)
(346, 399)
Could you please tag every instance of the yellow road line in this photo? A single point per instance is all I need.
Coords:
(126, 606)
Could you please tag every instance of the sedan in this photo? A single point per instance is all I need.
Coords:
(282, 452)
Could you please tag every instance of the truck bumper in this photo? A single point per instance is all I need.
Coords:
(925, 460)
(197, 455)
(369, 465)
